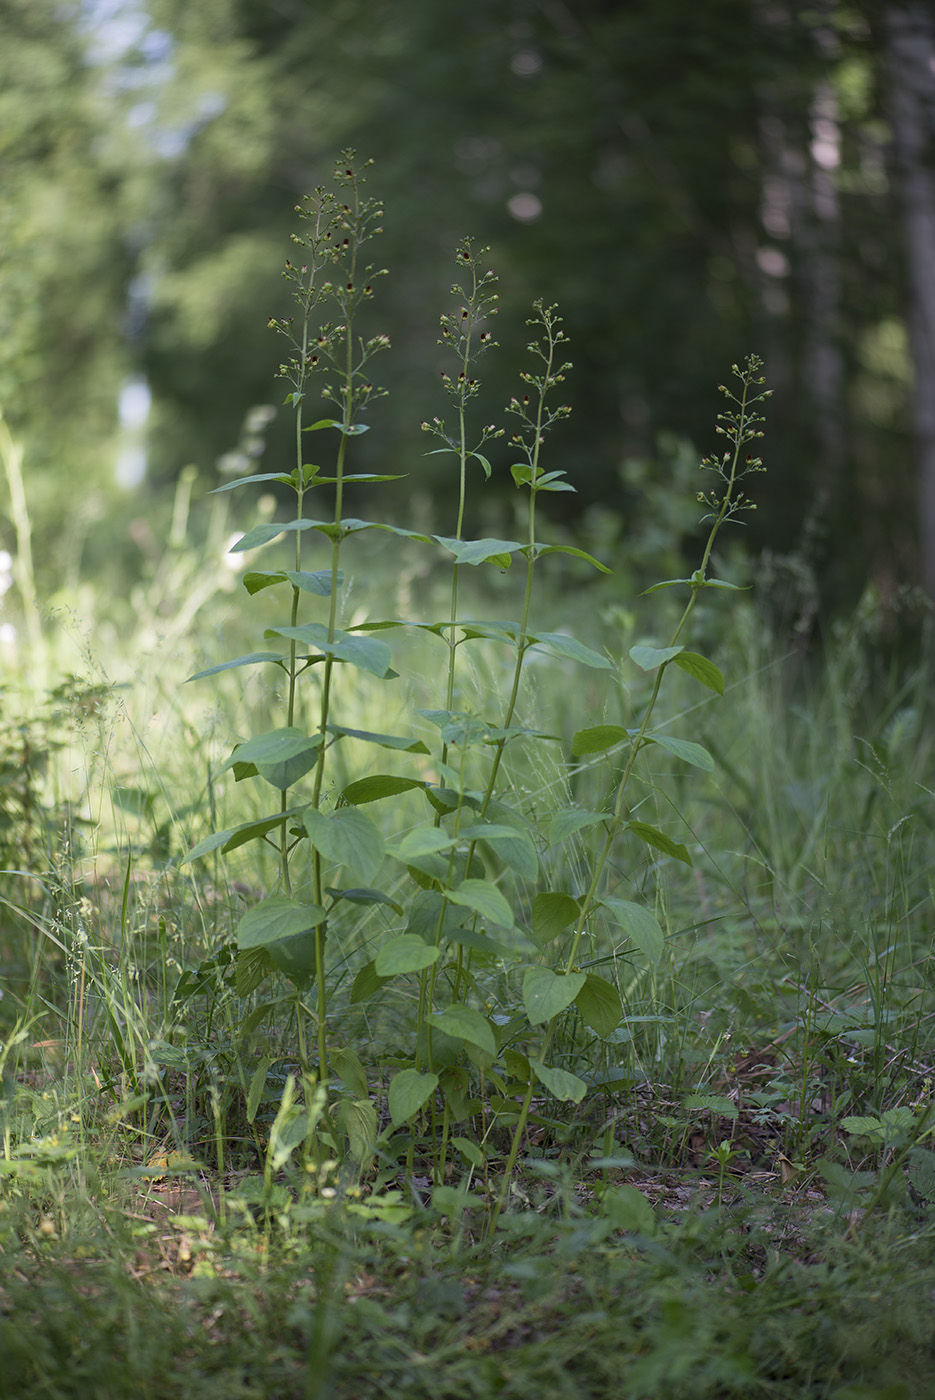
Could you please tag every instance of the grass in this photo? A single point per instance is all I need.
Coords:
(790, 1019)
(525, 1044)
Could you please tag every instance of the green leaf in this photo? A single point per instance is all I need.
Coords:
(557, 644)
(464, 1023)
(367, 653)
(653, 837)
(492, 551)
(628, 1209)
(561, 1085)
(599, 1004)
(377, 786)
(638, 924)
(422, 841)
(235, 836)
(251, 659)
(552, 912)
(284, 477)
(386, 741)
(357, 1118)
(514, 846)
(407, 953)
(863, 1127)
(546, 993)
(347, 837)
(485, 899)
(479, 457)
(598, 738)
(366, 983)
(691, 753)
(409, 1090)
(569, 820)
(281, 756)
(714, 1103)
(347, 1065)
(257, 1089)
(277, 918)
(701, 669)
(544, 549)
(470, 1150)
(648, 658)
(294, 957)
(262, 534)
(666, 583)
(365, 897)
(318, 583)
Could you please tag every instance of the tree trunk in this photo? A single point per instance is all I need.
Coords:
(910, 42)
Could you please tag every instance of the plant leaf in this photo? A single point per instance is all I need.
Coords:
(514, 846)
(638, 924)
(367, 653)
(598, 738)
(695, 754)
(557, 644)
(648, 658)
(377, 786)
(485, 899)
(409, 1090)
(281, 756)
(568, 820)
(262, 534)
(702, 669)
(348, 837)
(277, 918)
(546, 993)
(599, 1004)
(407, 953)
(552, 912)
(464, 1023)
(544, 549)
(653, 837)
(568, 1088)
(251, 659)
(386, 741)
(484, 551)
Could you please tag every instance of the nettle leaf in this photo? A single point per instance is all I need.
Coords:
(407, 953)
(485, 899)
(653, 837)
(569, 820)
(649, 658)
(367, 653)
(557, 644)
(486, 551)
(347, 837)
(641, 926)
(385, 741)
(568, 1088)
(599, 1004)
(251, 659)
(409, 1090)
(702, 669)
(464, 1023)
(277, 918)
(695, 754)
(377, 786)
(516, 848)
(598, 738)
(281, 756)
(552, 913)
(262, 534)
(546, 993)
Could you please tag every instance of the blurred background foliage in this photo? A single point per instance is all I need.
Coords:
(689, 182)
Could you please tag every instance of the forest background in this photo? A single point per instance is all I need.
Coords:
(688, 181)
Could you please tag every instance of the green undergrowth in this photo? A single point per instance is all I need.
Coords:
(426, 970)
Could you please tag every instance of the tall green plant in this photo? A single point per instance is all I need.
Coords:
(471, 886)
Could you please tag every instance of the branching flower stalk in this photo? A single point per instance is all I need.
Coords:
(461, 332)
(339, 228)
(740, 424)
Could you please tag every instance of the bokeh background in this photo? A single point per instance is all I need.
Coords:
(690, 182)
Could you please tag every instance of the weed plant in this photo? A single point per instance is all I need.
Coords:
(548, 1005)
